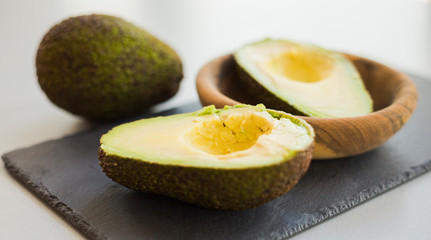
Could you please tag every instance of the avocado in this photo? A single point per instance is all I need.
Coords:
(302, 79)
(103, 68)
(233, 158)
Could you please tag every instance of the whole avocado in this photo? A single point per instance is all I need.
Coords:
(103, 68)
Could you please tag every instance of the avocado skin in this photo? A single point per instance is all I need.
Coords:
(104, 68)
(230, 189)
(256, 92)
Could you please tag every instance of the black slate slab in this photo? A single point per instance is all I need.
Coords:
(65, 174)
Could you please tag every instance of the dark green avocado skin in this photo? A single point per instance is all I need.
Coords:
(231, 189)
(102, 68)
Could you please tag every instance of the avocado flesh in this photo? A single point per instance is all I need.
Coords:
(307, 79)
(234, 158)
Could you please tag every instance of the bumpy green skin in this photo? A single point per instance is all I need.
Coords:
(103, 68)
(261, 95)
(232, 189)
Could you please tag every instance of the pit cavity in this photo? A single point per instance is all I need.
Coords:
(229, 132)
(301, 65)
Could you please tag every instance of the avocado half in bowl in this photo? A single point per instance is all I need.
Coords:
(393, 98)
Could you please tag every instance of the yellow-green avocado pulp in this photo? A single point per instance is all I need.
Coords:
(232, 158)
(302, 79)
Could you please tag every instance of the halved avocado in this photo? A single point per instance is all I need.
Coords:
(233, 158)
(302, 79)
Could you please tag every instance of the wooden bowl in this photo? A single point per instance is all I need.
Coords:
(393, 93)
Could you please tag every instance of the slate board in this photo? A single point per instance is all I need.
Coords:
(65, 174)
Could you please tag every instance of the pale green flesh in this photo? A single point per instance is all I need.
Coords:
(166, 140)
(340, 93)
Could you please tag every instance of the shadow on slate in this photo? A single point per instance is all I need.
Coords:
(66, 175)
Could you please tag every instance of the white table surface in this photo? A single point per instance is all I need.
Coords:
(394, 32)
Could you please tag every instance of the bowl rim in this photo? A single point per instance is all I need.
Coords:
(407, 92)
(335, 137)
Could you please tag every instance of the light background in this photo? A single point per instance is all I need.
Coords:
(394, 32)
